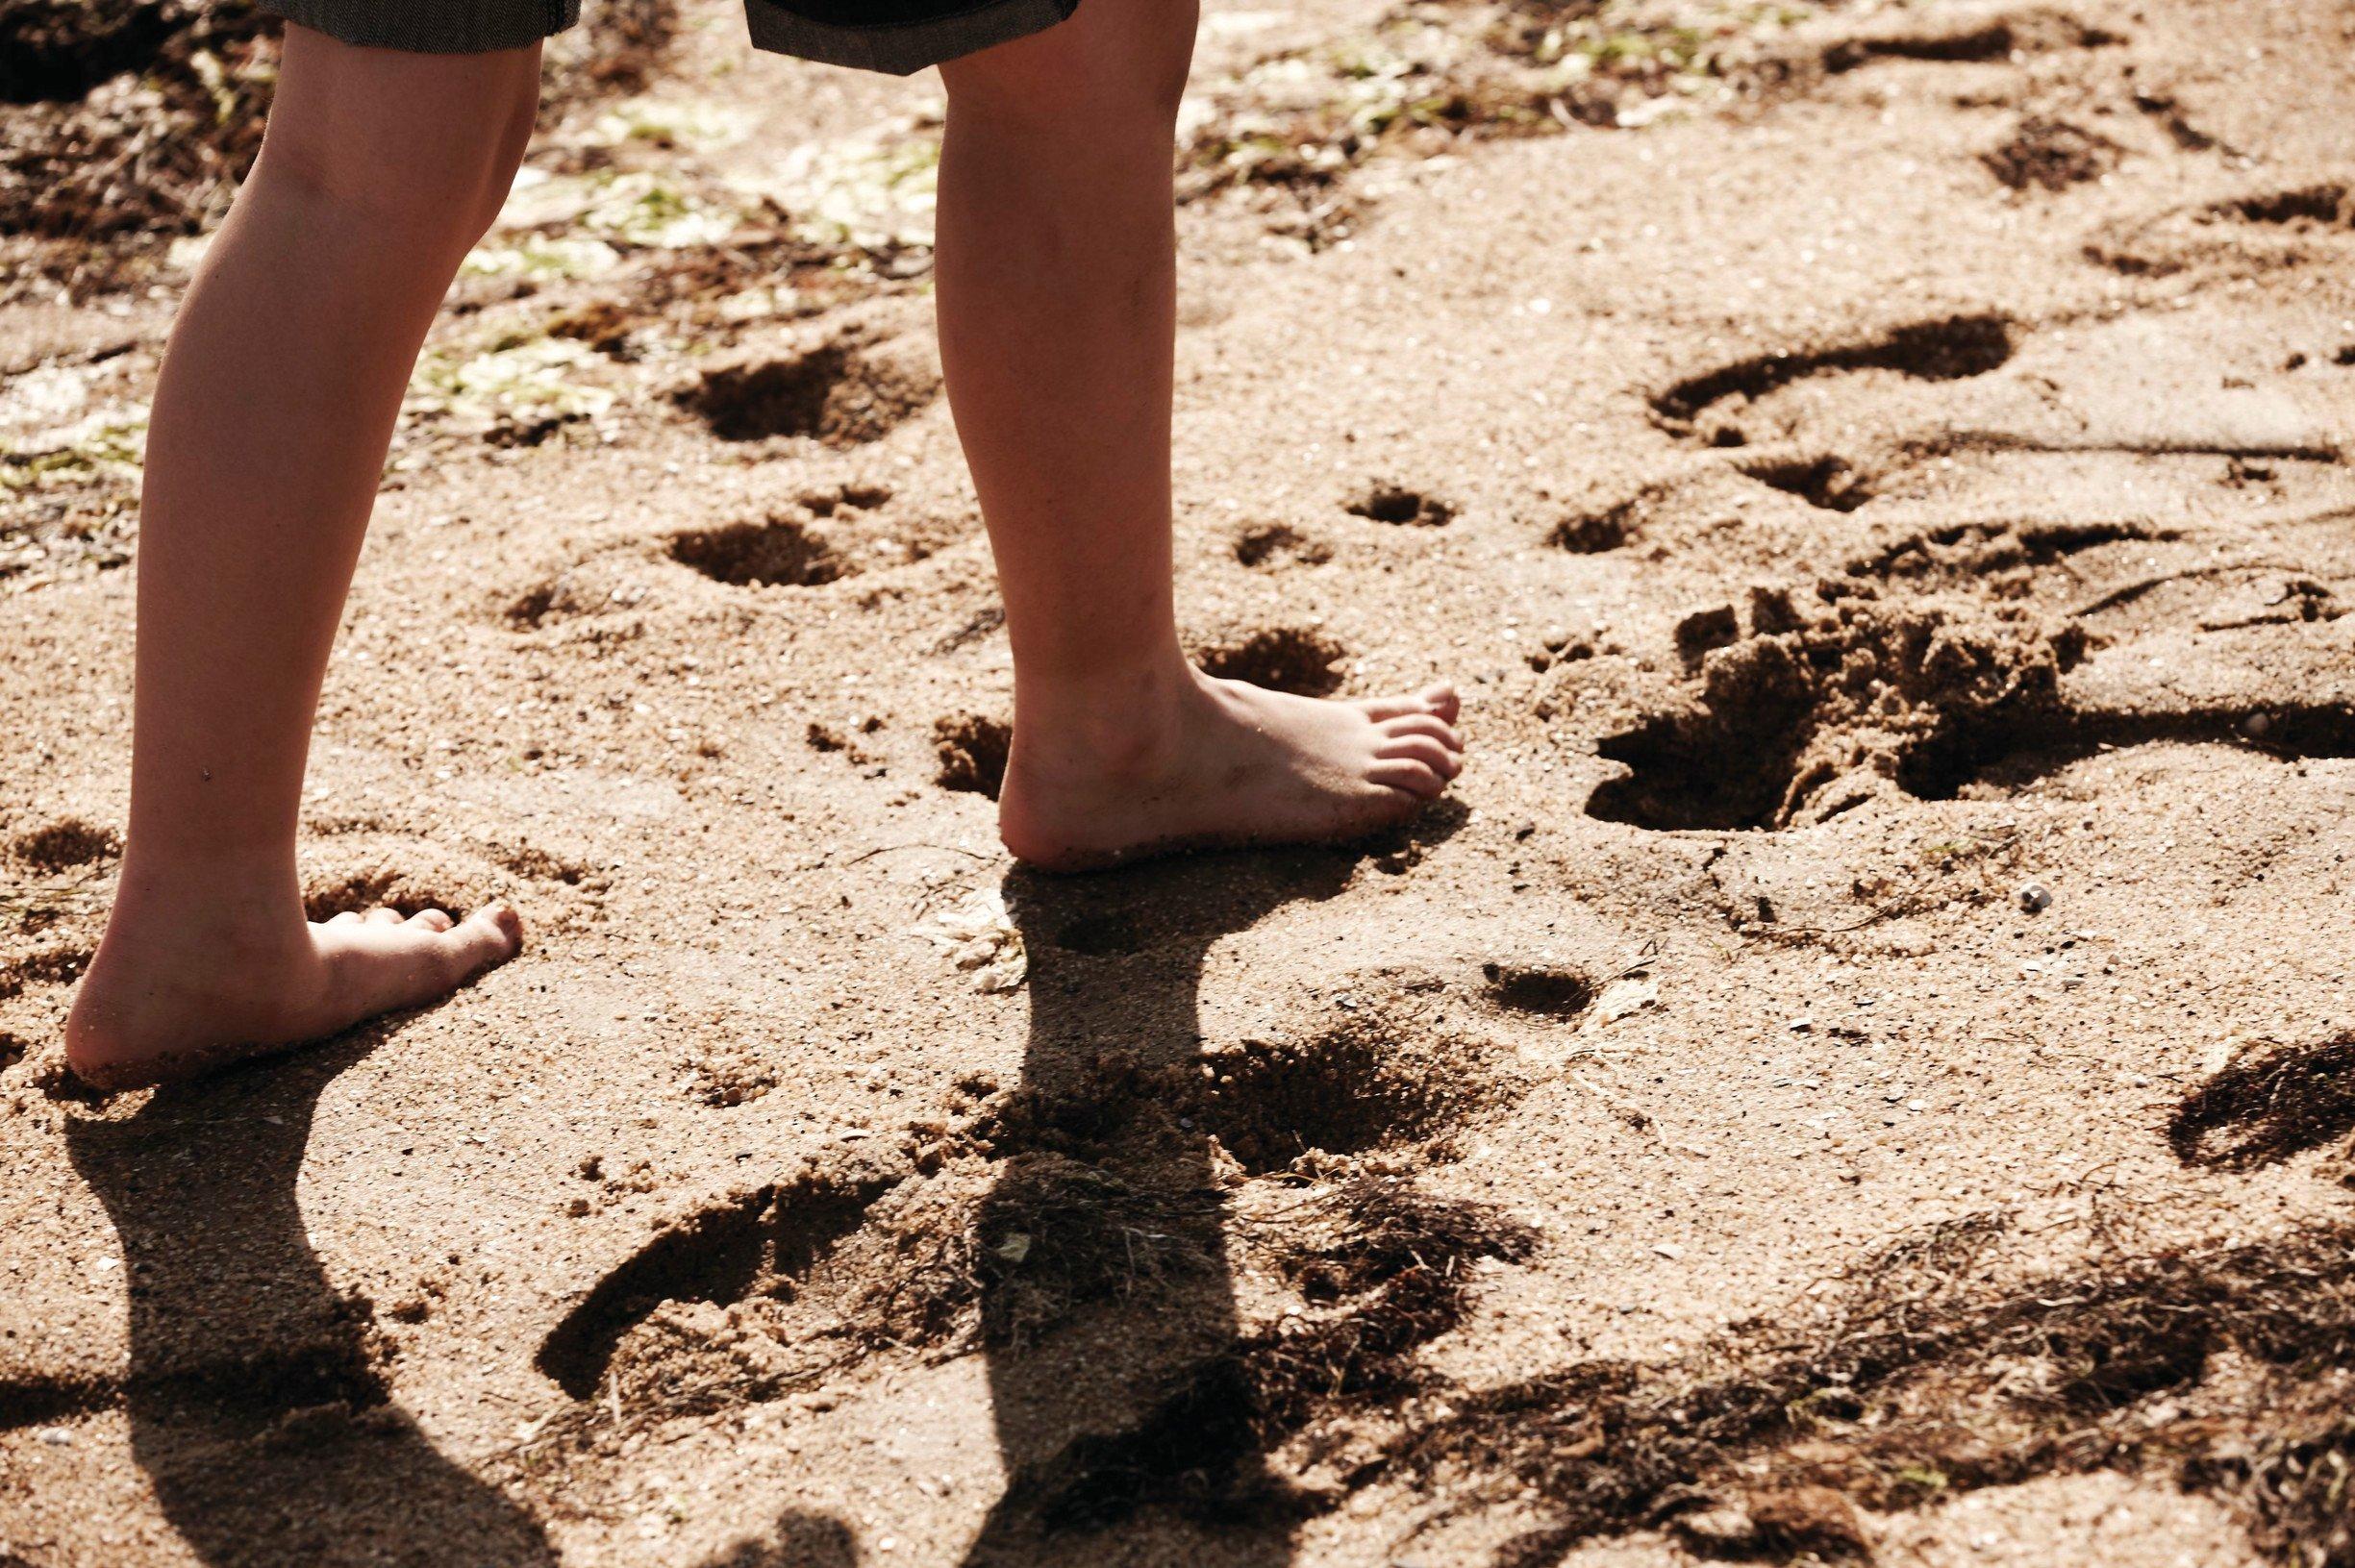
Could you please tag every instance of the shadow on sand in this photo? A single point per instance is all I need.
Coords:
(257, 1392)
(1119, 1448)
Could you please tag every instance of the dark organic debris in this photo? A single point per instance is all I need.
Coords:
(1389, 1269)
(618, 48)
(2276, 1102)
(1927, 1372)
(55, 51)
(2051, 155)
(1056, 1233)
(135, 118)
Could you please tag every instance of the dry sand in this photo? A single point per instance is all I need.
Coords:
(1858, 1070)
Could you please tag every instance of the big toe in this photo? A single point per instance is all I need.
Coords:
(491, 935)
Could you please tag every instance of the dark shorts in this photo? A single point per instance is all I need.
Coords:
(896, 35)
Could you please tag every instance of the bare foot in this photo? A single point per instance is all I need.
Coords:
(166, 1002)
(1223, 764)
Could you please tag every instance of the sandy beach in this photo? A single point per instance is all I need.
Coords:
(1855, 1070)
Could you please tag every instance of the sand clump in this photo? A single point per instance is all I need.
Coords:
(1826, 703)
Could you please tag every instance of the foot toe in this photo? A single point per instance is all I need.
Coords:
(1421, 749)
(1428, 725)
(432, 920)
(500, 921)
(1438, 701)
(383, 916)
(464, 948)
(345, 917)
(1407, 776)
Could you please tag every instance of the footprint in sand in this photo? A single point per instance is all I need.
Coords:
(1824, 705)
(1270, 546)
(1402, 506)
(779, 552)
(1946, 348)
(1295, 658)
(848, 391)
(756, 1243)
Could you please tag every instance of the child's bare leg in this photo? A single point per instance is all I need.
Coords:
(277, 400)
(1057, 288)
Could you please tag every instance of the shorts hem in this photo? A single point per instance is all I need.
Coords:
(900, 48)
(434, 27)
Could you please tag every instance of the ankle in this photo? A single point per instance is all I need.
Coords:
(1107, 723)
(250, 902)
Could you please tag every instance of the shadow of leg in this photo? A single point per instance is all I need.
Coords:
(1098, 1428)
(256, 1398)
(799, 1540)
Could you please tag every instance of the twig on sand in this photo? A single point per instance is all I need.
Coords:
(1634, 1115)
(888, 849)
(2127, 592)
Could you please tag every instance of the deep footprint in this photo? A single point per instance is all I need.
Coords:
(1300, 660)
(1361, 1087)
(1951, 348)
(1547, 989)
(838, 394)
(782, 552)
(973, 749)
(1797, 723)
(757, 1243)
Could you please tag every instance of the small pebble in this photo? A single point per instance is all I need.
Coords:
(2035, 897)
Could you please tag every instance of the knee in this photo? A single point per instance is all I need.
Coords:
(1115, 66)
(436, 183)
